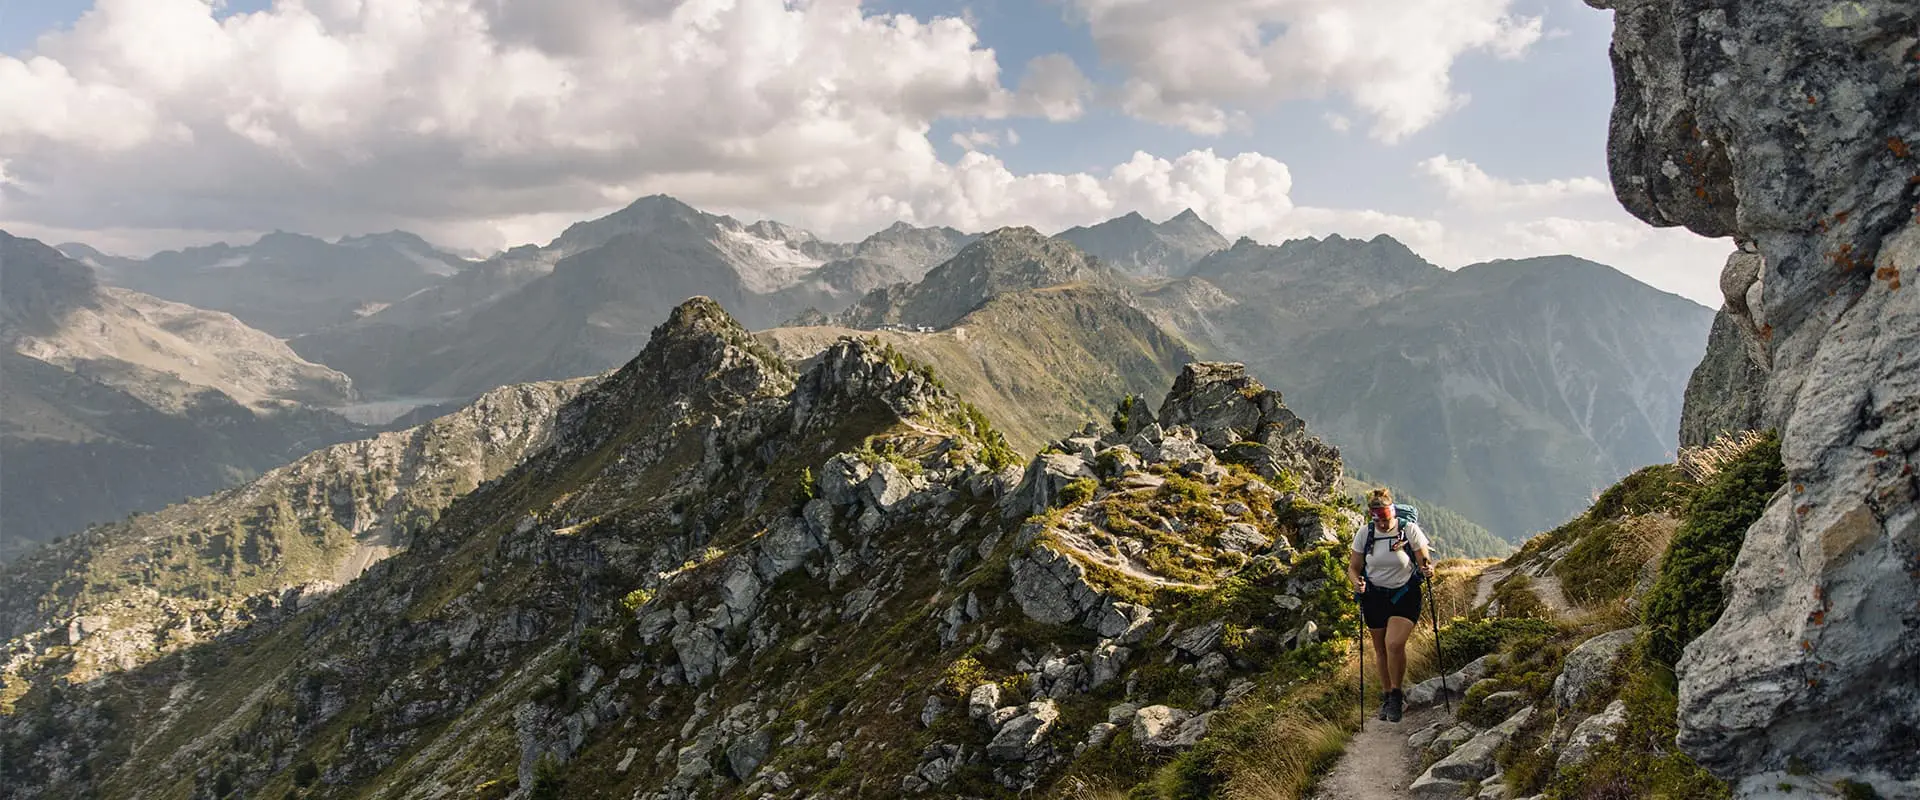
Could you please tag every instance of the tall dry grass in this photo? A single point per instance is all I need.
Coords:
(1703, 462)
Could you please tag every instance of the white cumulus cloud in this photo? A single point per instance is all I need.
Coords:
(1465, 181)
(1191, 61)
(347, 115)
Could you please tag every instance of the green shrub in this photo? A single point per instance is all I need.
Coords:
(1466, 640)
(1661, 487)
(962, 675)
(805, 491)
(636, 598)
(547, 784)
(1123, 413)
(1687, 599)
(1516, 598)
(1184, 488)
(1078, 491)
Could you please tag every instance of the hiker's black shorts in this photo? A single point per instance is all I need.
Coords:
(1378, 604)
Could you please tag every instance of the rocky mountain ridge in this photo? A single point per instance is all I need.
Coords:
(724, 577)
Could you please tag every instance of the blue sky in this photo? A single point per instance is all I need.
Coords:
(197, 142)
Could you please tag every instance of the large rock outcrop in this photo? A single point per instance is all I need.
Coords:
(1726, 390)
(1791, 127)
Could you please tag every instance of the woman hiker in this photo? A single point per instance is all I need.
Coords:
(1386, 552)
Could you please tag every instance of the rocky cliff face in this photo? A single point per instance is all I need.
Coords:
(1791, 127)
(1728, 389)
(724, 578)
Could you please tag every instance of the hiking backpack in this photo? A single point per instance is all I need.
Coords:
(1407, 515)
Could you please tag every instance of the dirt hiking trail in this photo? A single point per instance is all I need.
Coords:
(1378, 764)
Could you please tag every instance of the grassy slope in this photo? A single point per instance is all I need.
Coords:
(1039, 363)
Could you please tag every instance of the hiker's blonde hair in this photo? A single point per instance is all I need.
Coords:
(1382, 496)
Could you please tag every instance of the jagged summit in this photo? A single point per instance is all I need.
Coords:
(1133, 244)
(1320, 259)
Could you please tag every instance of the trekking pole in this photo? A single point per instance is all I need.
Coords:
(1439, 653)
(1362, 640)
(1363, 677)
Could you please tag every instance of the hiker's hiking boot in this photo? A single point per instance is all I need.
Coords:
(1396, 705)
(1386, 705)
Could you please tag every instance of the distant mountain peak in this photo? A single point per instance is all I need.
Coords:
(1134, 244)
(40, 286)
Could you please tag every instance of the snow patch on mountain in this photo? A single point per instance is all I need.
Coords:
(765, 265)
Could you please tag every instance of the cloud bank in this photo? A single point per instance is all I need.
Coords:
(488, 123)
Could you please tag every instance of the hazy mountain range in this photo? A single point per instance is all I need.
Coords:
(1428, 378)
(114, 401)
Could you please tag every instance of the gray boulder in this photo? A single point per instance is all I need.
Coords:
(1472, 761)
(1158, 727)
(1427, 692)
(983, 700)
(1791, 127)
(887, 487)
(747, 753)
(1020, 738)
(1117, 460)
(1046, 476)
(1108, 659)
(1123, 622)
(1588, 665)
(840, 479)
(1446, 741)
(1051, 587)
(1241, 537)
(1601, 727)
(1201, 639)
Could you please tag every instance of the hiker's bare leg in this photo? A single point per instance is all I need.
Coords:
(1398, 629)
(1380, 652)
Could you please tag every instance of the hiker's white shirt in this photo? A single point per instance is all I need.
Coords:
(1388, 568)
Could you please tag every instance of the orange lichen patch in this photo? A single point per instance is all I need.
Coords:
(1889, 274)
(1843, 258)
(1766, 332)
(1817, 617)
(1800, 488)
(1803, 509)
(1811, 99)
(1899, 148)
(1879, 452)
